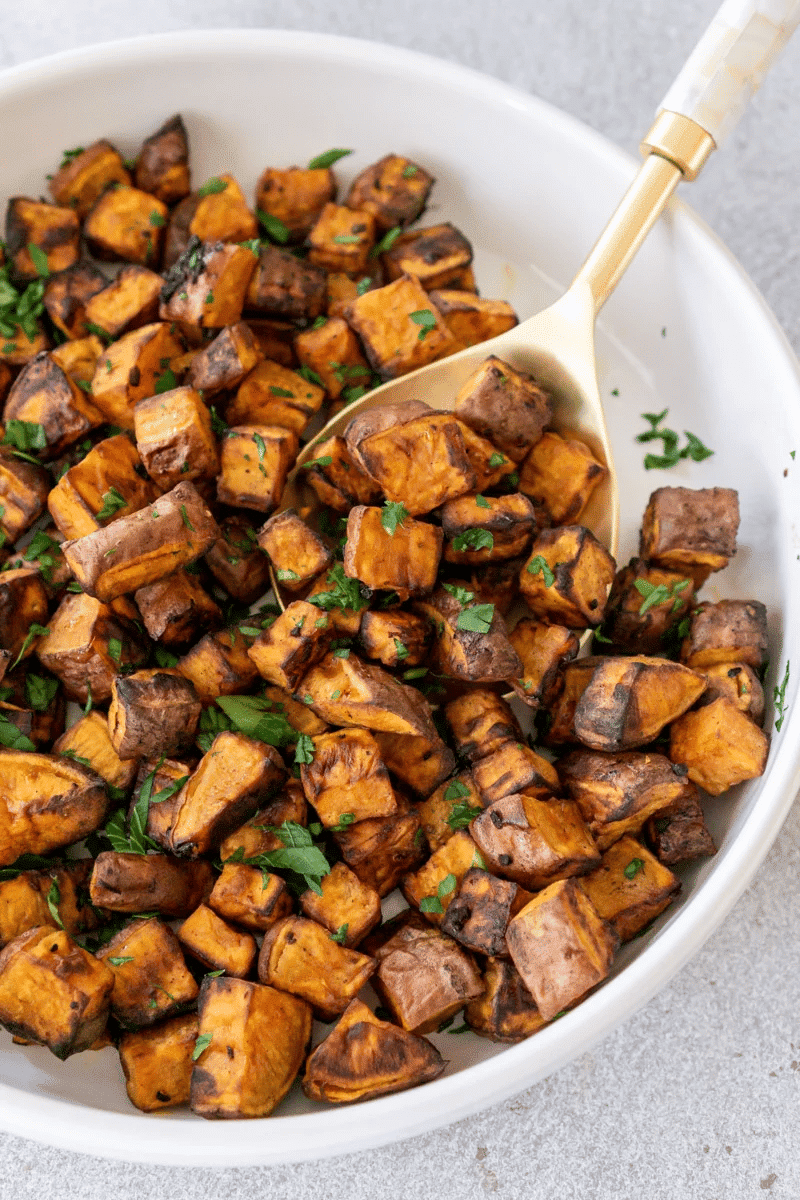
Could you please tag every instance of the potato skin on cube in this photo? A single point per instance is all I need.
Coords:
(679, 832)
(236, 562)
(225, 362)
(246, 896)
(151, 713)
(504, 405)
(436, 256)
(154, 981)
(216, 944)
(296, 552)
(286, 287)
(87, 646)
(23, 602)
(67, 294)
(299, 956)
(424, 977)
(731, 631)
(395, 638)
(478, 656)
(174, 437)
(384, 321)
(690, 530)
(44, 394)
(347, 776)
(157, 1063)
(629, 700)
(162, 166)
(405, 561)
(630, 887)
(720, 745)
(506, 1012)
(582, 571)
(534, 842)
(46, 801)
(738, 683)
(394, 190)
(177, 610)
(132, 883)
(478, 915)
(254, 464)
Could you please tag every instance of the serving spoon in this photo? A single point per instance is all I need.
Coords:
(701, 108)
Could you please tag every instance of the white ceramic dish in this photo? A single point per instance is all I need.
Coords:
(686, 330)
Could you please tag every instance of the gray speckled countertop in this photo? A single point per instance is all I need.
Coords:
(697, 1097)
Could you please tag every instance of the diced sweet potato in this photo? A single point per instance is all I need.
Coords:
(89, 738)
(177, 610)
(85, 174)
(478, 529)
(152, 713)
(679, 832)
(644, 605)
(162, 167)
(719, 745)
(336, 477)
(738, 683)
(480, 722)
(294, 642)
(216, 944)
(470, 640)
(23, 602)
(434, 885)
(394, 190)
(157, 1063)
(424, 977)
(400, 328)
(236, 561)
(348, 691)
(377, 420)
(301, 957)
(295, 196)
(382, 850)
(692, 531)
(731, 631)
(133, 883)
(534, 842)
(224, 363)
(47, 802)
(254, 463)
(52, 230)
(395, 638)
(127, 303)
(629, 700)
(543, 650)
(174, 437)
(105, 482)
(436, 256)
(24, 901)
(472, 319)
(164, 777)
(130, 370)
(23, 494)
(273, 395)
(285, 286)
(568, 577)
(341, 239)
(67, 295)
(478, 915)
(514, 767)
(403, 557)
(450, 807)
(219, 665)
(333, 352)
(506, 1012)
(560, 474)
(128, 224)
(250, 897)
(87, 645)
(346, 778)
(207, 285)
(419, 762)
(504, 405)
(347, 907)
(296, 552)
(630, 887)
(151, 979)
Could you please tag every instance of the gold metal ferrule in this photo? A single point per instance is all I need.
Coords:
(680, 140)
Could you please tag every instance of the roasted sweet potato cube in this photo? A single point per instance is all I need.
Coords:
(617, 793)
(394, 190)
(297, 553)
(434, 256)
(382, 850)
(130, 370)
(490, 466)
(395, 638)
(86, 647)
(224, 363)
(341, 599)
(679, 832)
(103, 487)
(400, 328)
(738, 683)
(543, 650)
(176, 529)
(378, 419)
(295, 196)
(506, 1012)
(89, 739)
(250, 897)
(128, 302)
(49, 802)
(470, 640)
(275, 339)
(151, 979)
(295, 641)
(285, 286)
(52, 230)
(177, 610)
(273, 395)
(72, 990)
(23, 602)
(22, 345)
(478, 915)
(630, 887)
(435, 884)
(629, 700)
(152, 713)
(254, 463)
(337, 479)
(222, 213)
(421, 463)
(79, 360)
(419, 762)
(478, 529)
(385, 553)
(253, 1041)
(567, 579)
(231, 782)
(346, 780)
(347, 907)
(472, 319)
(504, 405)
(560, 946)
(731, 631)
(341, 290)
(301, 957)
(24, 901)
(644, 605)
(480, 722)
(348, 691)
(162, 167)
(559, 475)
(164, 777)
(85, 174)
(424, 977)
(157, 1063)
(341, 239)
(534, 842)
(207, 285)
(514, 767)
(23, 494)
(690, 530)
(333, 352)
(128, 224)
(67, 294)
(133, 883)
(216, 944)
(236, 561)
(44, 394)
(219, 665)
(719, 745)
(450, 807)
(174, 437)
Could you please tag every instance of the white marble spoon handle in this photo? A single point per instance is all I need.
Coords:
(730, 61)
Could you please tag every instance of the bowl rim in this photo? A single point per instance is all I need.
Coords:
(175, 1141)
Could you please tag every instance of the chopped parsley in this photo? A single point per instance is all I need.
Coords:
(327, 159)
(655, 594)
(540, 566)
(434, 904)
(53, 901)
(386, 242)
(476, 619)
(402, 651)
(113, 501)
(165, 382)
(325, 461)
(461, 815)
(633, 868)
(157, 219)
(213, 186)
(273, 227)
(343, 592)
(202, 1042)
(39, 260)
(304, 751)
(393, 514)
(671, 454)
(425, 318)
(341, 934)
(474, 539)
(779, 697)
(185, 518)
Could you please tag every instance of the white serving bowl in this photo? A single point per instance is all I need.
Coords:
(686, 330)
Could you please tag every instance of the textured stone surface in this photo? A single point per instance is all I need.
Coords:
(697, 1096)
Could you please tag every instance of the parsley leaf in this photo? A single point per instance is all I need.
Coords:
(113, 501)
(325, 461)
(165, 382)
(274, 228)
(462, 814)
(476, 619)
(304, 751)
(779, 697)
(254, 717)
(694, 448)
(214, 185)
(540, 566)
(393, 514)
(344, 592)
(655, 594)
(39, 260)
(219, 426)
(633, 868)
(34, 631)
(341, 934)
(185, 518)
(386, 242)
(24, 435)
(298, 855)
(402, 651)
(40, 692)
(474, 539)
(202, 1042)
(53, 901)
(425, 318)
(434, 903)
(327, 159)
(462, 595)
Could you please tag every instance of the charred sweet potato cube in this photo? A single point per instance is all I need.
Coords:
(629, 700)
(333, 352)
(719, 745)
(400, 328)
(67, 294)
(224, 363)
(434, 885)
(644, 604)
(152, 713)
(300, 957)
(133, 883)
(236, 561)
(128, 224)
(731, 631)
(86, 647)
(301, 718)
(285, 286)
(348, 691)
(435, 256)
(567, 579)
(382, 850)
(22, 345)
(337, 479)
(617, 793)
(480, 722)
(341, 290)
(250, 897)
(470, 640)
(679, 831)
(630, 887)
(514, 767)
(151, 979)
(176, 529)
(207, 286)
(490, 466)
(273, 395)
(506, 1012)
(738, 683)
(478, 915)
(52, 230)
(162, 166)
(347, 907)
(395, 638)
(177, 610)
(504, 405)
(420, 762)
(79, 360)
(157, 1063)
(295, 196)
(297, 553)
(24, 904)
(560, 946)
(478, 529)
(421, 463)
(165, 778)
(47, 802)
(174, 437)
(341, 239)
(130, 370)
(231, 782)
(394, 190)
(559, 475)
(44, 394)
(346, 778)
(692, 531)
(128, 302)
(218, 665)
(254, 463)
(543, 650)
(23, 493)
(103, 487)
(89, 739)
(23, 602)
(472, 319)
(85, 174)
(497, 583)
(450, 807)
(378, 419)
(216, 944)
(275, 339)
(424, 977)
(72, 990)
(341, 599)
(221, 213)
(254, 1041)
(534, 842)
(403, 557)
(365, 1057)
(295, 641)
